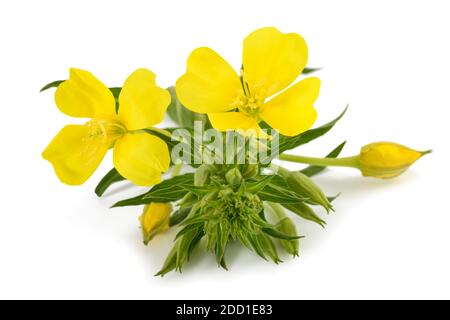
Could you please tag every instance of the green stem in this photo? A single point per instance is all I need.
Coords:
(352, 162)
(161, 131)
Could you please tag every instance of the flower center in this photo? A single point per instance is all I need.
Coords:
(250, 105)
(105, 131)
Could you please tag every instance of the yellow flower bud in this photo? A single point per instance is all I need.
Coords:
(385, 160)
(154, 220)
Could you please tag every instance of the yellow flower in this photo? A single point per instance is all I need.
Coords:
(155, 219)
(77, 150)
(387, 160)
(271, 62)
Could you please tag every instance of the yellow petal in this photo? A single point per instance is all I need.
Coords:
(273, 60)
(141, 158)
(142, 103)
(210, 84)
(232, 121)
(84, 96)
(75, 154)
(292, 112)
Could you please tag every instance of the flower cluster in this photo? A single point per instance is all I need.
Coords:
(213, 198)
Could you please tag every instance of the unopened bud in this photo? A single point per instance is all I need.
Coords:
(234, 177)
(385, 160)
(155, 219)
(305, 187)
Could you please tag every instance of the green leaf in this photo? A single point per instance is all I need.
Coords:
(198, 191)
(116, 94)
(259, 184)
(180, 114)
(314, 170)
(279, 235)
(167, 191)
(310, 70)
(54, 84)
(110, 178)
(171, 261)
(288, 143)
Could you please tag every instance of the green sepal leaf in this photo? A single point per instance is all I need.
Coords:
(167, 191)
(110, 178)
(54, 84)
(314, 170)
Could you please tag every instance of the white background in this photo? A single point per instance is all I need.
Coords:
(388, 239)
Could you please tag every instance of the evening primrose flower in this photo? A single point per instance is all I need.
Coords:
(155, 219)
(387, 160)
(77, 150)
(271, 62)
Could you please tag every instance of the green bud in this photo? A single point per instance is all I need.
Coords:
(202, 175)
(304, 211)
(178, 216)
(285, 225)
(250, 171)
(304, 186)
(234, 177)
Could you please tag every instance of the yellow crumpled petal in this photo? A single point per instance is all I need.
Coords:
(142, 103)
(210, 84)
(273, 60)
(141, 158)
(84, 96)
(292, 111)
(155, 219)
(74, 154)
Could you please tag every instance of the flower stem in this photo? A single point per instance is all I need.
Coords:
(352, 162)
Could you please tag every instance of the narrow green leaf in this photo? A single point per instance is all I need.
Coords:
(116, 94)
(198, 191)
(279, 194)
(259, 184)
(110, 178)
(54, 84)
(310, 70)
(171, 261)
(314, 170)
(279, 235)
(167, 191)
